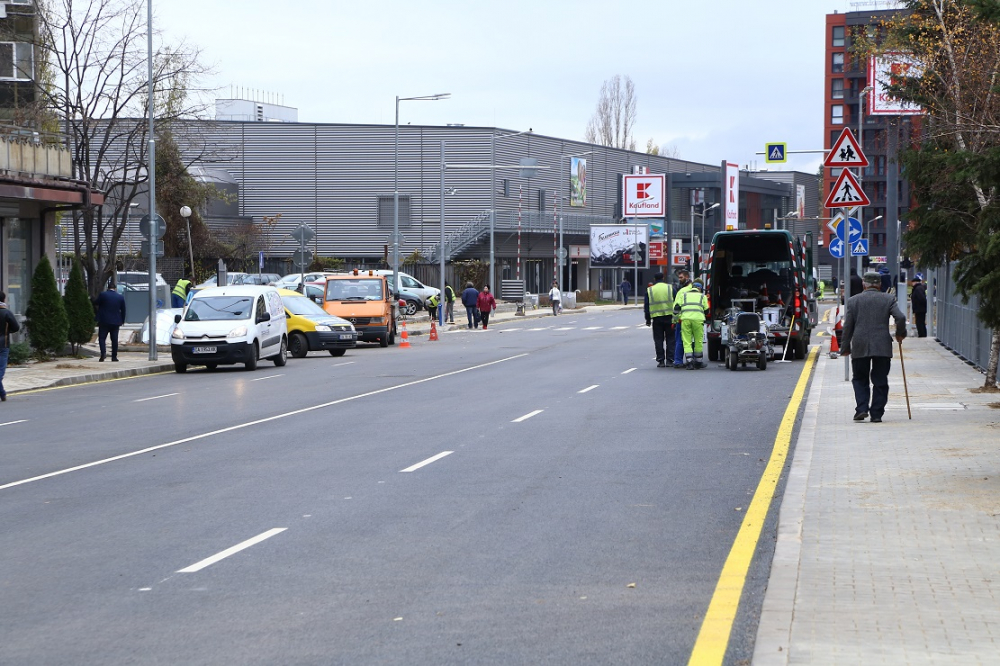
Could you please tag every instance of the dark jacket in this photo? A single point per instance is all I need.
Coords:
(8, 325)
(449, 293)
(866, 326)
(857, 284)
(485, 302)
(918, 297)
(110, 308)
(469, 297)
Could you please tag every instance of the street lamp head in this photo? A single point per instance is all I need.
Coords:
(713, 207)
(876, 219)
(185, 211)
(429, 98)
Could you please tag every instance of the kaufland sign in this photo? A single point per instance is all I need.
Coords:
(644, 195)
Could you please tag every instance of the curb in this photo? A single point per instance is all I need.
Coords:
(101, 376)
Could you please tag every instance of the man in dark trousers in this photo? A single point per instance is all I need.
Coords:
(866, 338)
(110, 307)
(8, 326)
(659, 309)
(469, 298)
(918, 299)
(626, 289)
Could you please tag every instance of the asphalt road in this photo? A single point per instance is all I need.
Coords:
(536, 493)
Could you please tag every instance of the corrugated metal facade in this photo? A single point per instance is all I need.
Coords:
(331, 176)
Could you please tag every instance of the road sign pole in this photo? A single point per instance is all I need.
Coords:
(846, 225)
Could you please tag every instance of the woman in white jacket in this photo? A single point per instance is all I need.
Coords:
(555, 296)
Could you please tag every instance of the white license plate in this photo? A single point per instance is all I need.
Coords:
(346, 336)
(204, 350)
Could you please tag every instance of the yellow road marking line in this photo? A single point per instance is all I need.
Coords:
(713, 637)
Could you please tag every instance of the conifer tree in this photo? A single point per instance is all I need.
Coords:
(45, 316)
(79, 309)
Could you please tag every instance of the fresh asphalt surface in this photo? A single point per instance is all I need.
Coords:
(518, 547)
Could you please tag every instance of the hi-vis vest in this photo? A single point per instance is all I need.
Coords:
(661, 300)
(181, 288)
(692, 304)
(433, 301)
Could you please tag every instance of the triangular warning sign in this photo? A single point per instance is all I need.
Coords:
(846, 192)
(846, 152)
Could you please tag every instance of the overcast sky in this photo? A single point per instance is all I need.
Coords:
(715, 79)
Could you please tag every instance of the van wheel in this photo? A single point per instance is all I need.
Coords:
(282, 356)
(392, 334)
(383, 341)
(762, 361)
(337, 352)
(251, 362)
(298, 346)
(180, 368)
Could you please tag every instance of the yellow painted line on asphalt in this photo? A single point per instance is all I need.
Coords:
(713, 638)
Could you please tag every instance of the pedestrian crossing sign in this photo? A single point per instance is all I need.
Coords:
(775, 153)
(846, 192)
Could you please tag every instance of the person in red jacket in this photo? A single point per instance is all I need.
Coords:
(486, 304)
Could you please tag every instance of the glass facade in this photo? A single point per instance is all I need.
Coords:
(15, 261)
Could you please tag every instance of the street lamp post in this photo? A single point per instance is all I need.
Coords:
(186, 214)
(395, 183)
(861, 116)
(694, 268)
(151, 168)
(493, 195)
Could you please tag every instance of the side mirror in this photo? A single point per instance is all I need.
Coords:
(265, 317)
(177, 319)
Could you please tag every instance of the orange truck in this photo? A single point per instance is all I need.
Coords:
(364, 299)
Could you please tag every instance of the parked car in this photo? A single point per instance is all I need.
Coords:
(410, 285)
(293, 280)
(227, 325)
(136, 281)
(257, 278)
(311, 328)
(230, 279)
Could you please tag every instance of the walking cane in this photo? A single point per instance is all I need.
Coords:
(788, 342)
(905, 389)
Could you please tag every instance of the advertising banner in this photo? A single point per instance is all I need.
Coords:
(577, 181)
(732, 196)
(618, 245)
(885, 71)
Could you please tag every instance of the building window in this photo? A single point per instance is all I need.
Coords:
(16, 62)
(837, 114)
(837, 89)
(838, 35)
(838, 63)
(386, 208)
(16, 237)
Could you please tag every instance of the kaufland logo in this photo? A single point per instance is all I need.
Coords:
(640, 191)
(643, 195)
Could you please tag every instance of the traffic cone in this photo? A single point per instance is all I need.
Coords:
(434, 330)
(834, 346)
(404, 336)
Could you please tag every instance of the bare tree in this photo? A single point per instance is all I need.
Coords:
(95, 55)
(614, 119)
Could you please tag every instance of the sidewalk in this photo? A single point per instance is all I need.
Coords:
(134, 359)
(888, 548)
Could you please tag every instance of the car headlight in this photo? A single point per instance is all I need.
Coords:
(378, 320)
(177, 334)
(322, 327)
(237, 332)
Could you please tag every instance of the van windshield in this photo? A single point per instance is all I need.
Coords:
(362, 289)
(219, 308)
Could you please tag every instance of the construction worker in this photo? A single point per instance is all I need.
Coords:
(432, 306)
(178, 297)
(692, 306)
(684, 280)
(659, 308)
(449, 299)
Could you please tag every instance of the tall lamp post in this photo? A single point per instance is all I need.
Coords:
(701, 250)
(186, 214)
(151, 168)
(395, 183)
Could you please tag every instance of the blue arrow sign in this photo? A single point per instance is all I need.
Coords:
(857, 230)
(837, 248)
(860, 249)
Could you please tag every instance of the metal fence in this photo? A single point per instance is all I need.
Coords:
(954, 323)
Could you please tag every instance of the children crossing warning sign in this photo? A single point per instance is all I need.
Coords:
(846, 192)
(846, 152)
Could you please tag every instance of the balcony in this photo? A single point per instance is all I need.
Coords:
(23, 153)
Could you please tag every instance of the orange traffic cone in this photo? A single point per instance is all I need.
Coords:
(834, 346)
(434, 330)
(404, 336)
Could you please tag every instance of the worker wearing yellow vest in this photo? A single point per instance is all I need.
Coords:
(432, 306)
(692, 306)
(684, 285)
(178, 297)
(659, 309)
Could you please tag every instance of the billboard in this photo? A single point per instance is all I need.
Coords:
(732, 196)
(619, 245)
(644, 195)
(884, 71)
(577, 181)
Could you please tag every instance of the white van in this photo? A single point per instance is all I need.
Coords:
(227, 325)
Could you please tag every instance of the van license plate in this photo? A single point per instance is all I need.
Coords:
(204, 350)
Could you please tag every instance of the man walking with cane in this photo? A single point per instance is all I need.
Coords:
(866, 338)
